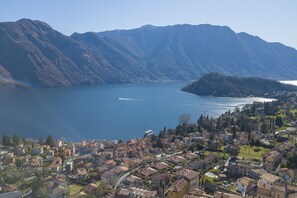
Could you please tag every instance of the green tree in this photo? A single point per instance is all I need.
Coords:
(6, 140)
(278, 121)
(102, 190)
(16, 139)
(38, 188)
(18, 163)
(233, 129)
(50, 141)
(264, 128)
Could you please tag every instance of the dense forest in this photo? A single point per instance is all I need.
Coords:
(215, 84)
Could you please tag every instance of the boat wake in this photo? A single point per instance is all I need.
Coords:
(128, 99)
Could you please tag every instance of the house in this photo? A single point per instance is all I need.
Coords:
(8, 158)
(241, 169)
(256, 173)
(122, 193)
(272, 160)
(187, 140)
(160, 180)
(7, 188)
(267, 180)
(90, 188)
(57, 192)
(20, 151)
(176, 159)
(160, 165)
(100, 170)
(131, 163)
(69, 166)
(59, 143)
(178, 189)
(190, 156)
(79, 195)
(109, 177)
(110, 164)
(81, 173)
(191, 176)
(35, 162)
(133, 180)
(218, 194)
(245, 184)
(277, 191)
(37, 150)
(147, 171)
(228, 137)
(286, 174)
(14, 194)
(55, 165)
(137, 192)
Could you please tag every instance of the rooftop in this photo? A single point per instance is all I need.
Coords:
(178, 185)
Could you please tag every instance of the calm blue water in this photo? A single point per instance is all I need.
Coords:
(97, 112)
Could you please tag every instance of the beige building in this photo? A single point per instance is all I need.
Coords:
(191, 176)
(178, 189)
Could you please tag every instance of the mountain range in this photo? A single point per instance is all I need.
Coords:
(34, 54)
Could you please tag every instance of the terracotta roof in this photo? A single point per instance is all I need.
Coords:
(272, 155)
(147, 171)
(269, 177)
(259, 171)
(247, 181)
(133, 178)
(187, 173)
(176, 159)
(123, 192)
(162, 176)
(160, 165)
(287, 171)
(178, 185)
(190, 155)
(225, 195)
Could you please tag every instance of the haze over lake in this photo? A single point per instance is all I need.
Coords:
(108, 111)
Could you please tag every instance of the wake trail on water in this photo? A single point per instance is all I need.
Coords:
(129, 99)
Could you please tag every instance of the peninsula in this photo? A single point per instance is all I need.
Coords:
(215, 84)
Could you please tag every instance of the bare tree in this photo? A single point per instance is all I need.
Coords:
(184, 119)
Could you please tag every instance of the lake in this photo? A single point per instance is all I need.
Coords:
(104, 112)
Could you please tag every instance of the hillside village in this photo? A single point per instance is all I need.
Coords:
(250, 152)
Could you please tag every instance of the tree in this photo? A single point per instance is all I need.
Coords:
(257, 143)
(264, 127)
(18, 163)
(50, 141)
(101, 191)
(5, 140)
(278, 121)
(200, 120)
(233, 128)
(38, 188)
(16, 139)
(234, 151)
(184, 119)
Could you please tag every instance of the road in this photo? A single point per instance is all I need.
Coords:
(121, 179)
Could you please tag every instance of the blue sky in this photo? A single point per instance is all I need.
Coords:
(273, 20)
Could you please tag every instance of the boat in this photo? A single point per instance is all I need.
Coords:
(148, 133)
